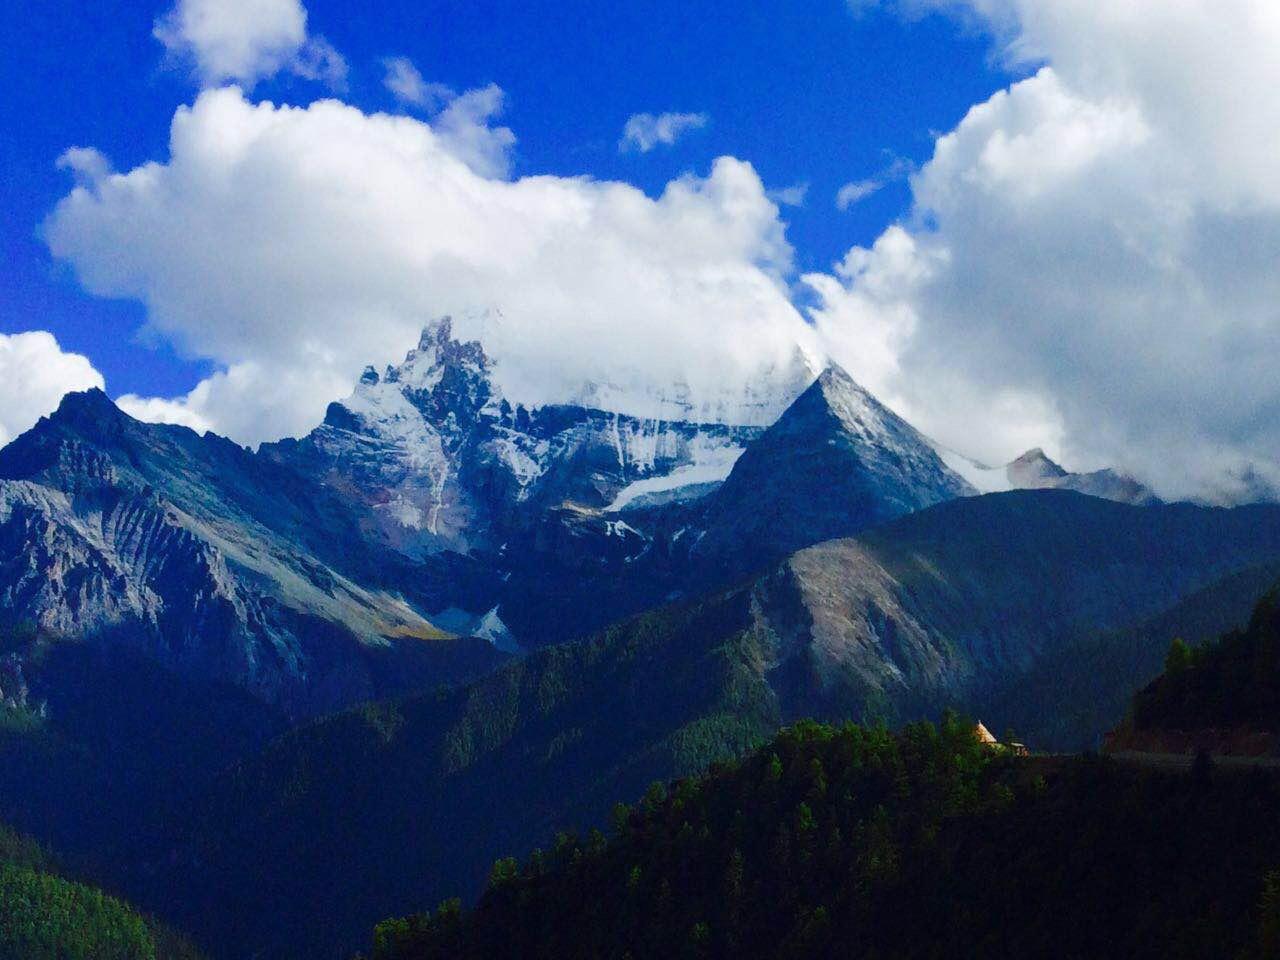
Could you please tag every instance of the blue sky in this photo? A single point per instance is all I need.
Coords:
(807, 93)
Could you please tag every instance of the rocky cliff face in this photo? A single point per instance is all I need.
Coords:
(212, 561)
(355, 562)
(953, 605)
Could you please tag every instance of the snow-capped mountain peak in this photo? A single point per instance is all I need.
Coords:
(443, 457)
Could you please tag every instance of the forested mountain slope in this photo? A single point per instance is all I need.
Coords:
(397, 804)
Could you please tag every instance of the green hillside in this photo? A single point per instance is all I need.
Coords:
(855, 843)
(1072, 696)
(381, 808)
(44, 916)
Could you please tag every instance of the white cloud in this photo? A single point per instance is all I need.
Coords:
(247, 40)
(460, 121)
(465, 131)
(792, 196)
(87, 165)
(160, 410)
(858, 190)
(1091, 253)
(645, 131)
(293, 245)
(318, 59)
(851, 193)
(409, 86)
(35, 373)
(1088, 264)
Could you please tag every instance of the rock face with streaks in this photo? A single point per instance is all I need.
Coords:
(369, 557)
(211, 560)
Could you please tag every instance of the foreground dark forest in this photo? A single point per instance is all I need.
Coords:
(849, 842)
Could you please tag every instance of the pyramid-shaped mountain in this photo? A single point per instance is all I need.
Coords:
(836, 462)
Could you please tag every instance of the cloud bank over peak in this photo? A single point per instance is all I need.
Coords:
(1090, 256)
(293, 245)
(244, 41)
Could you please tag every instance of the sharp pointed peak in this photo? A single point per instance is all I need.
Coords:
(835, 386)
(836, 394)
(836, 378)
(436, 332)
(834, 373)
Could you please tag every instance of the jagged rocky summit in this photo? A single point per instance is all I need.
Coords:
(444, 462)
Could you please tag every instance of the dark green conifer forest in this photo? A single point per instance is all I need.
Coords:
(859, 843)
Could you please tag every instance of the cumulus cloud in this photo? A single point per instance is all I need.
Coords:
(35, 373)
(247, 40)
(293, 245)
(1090, 256)
(1088, 263)
(645, 131)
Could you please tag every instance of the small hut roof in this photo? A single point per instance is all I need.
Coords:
(983, 734)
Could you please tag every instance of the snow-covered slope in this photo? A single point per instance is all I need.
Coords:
(835, 463)
(427, 506)
(758, 404)
(444, 462)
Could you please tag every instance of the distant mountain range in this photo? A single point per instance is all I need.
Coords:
(336, 676)
(1035, 471)
(424, 511)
